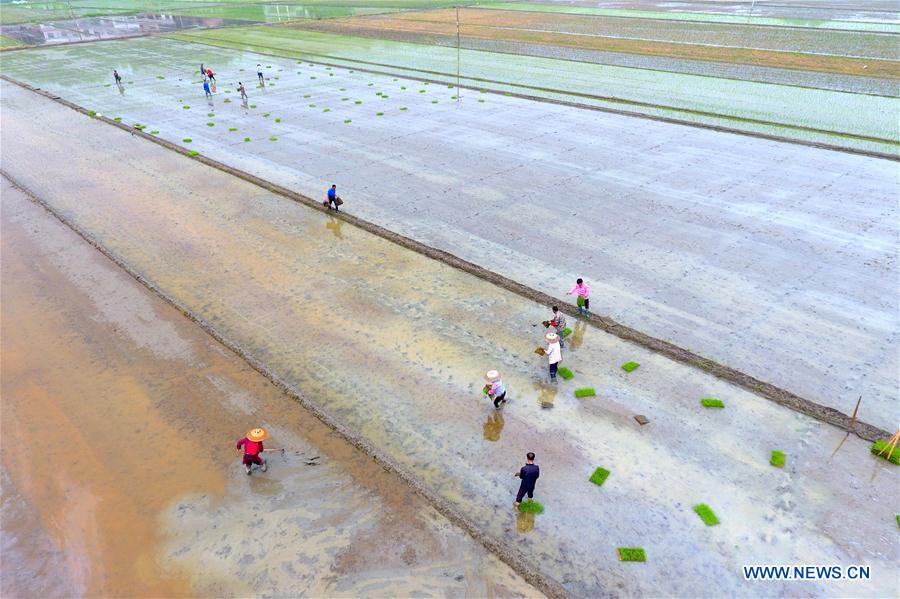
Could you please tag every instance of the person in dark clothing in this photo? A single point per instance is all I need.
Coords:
(529, 475)
(117, 77)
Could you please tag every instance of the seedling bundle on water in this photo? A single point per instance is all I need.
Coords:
(566, 373)
(531, 507)
(599, 476)
(712, 402)
(777, 458)
(632, 554)
(630, 366)
(882, 449)
(706, 514)
(585, 392)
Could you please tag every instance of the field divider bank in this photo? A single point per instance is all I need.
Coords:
(444, 78)
(768, 390)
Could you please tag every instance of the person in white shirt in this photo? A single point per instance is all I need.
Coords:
(554, 353)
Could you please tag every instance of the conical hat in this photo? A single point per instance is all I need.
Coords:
(492, 375)
(258, 434)
(551, 337)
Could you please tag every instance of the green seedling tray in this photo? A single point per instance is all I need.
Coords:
(630, 366)
(531, 507)
(580, 302)
(706, 514)
(567, 331)
(712, 402)
(632, 554)
(599, 476)
(879, 445)
(777, 458)
(566, 373)
(585, 392)
(485, 389)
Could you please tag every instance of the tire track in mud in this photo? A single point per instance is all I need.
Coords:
(756, 386)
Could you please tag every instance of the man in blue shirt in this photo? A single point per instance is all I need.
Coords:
(206, 88)
(529, 475)
(333, 199)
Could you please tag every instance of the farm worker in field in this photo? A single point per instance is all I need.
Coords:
(584, 294)
(209, 74)
(243, 91)
(558, 322)
(253, 447)
(259, 73)
(333, 199)
(206, 88)
(117, 77)
(554, 353)
(495, 389)
(529, 475)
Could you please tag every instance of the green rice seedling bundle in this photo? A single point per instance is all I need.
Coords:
(777, 458)
(706, 514)
(599, 476)
(712, 402)
(585, 392)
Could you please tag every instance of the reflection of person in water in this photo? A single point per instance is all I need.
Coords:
(493, 426)
(524, 522)
(577, 336)
(334, 225)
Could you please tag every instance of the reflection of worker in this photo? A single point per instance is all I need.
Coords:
(253, 447)
(554, 353)
(493, 426)
(529, 475)
(495, 388)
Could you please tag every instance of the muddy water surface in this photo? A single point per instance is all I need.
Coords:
(395, 346)
(119, 472)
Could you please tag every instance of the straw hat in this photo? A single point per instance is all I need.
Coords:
(492, 375)
(551, 337)
(258, 434)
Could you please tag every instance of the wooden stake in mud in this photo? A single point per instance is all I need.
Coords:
(850, 428)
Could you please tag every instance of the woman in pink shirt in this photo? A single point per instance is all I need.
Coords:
(584, 294)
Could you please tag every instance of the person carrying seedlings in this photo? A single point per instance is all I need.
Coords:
(495, 389)
(554, 354)
(259, 73)
(584, 294)
(333, 199)
(558, 322)
(212, 77)
(253, 447)
(206, 88)
(243, 91)
(529, 475)
(117, 77)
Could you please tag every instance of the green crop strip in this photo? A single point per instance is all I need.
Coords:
(706, 514)
(712, 402)
(599, 476)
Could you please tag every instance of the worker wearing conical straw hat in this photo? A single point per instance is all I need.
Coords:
(495, 389)
(554, 353)
(253, 448)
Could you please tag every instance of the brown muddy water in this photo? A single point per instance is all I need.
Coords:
(119, 473)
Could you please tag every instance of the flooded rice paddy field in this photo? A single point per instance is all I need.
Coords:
(774, 258)
(119, 472)
(814, 13)
(833, 117)
(394, 345)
